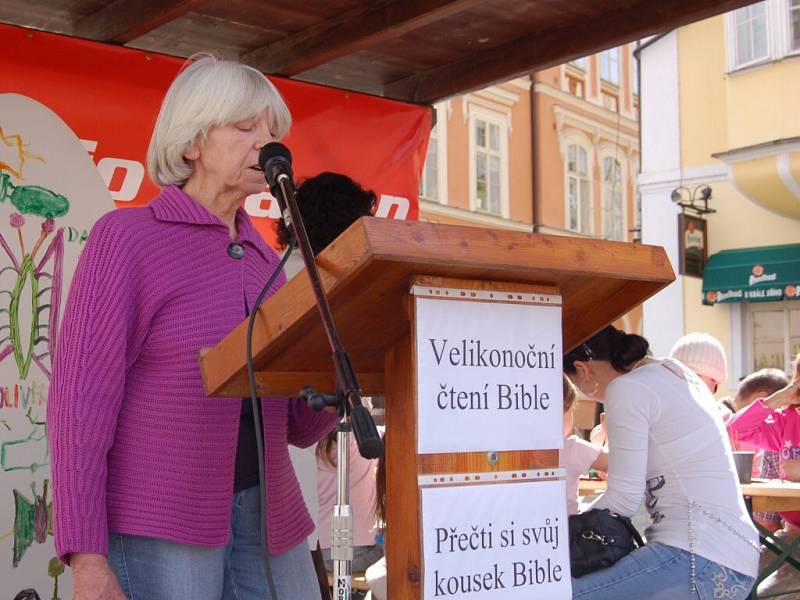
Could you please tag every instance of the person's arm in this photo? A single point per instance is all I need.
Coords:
(599, 435)
(306, 426)
(89, 367)
(759, 424)
(787, 396)
(585, 455)
(93, 579)
(792, 469)
(601, 462)
(630, 408)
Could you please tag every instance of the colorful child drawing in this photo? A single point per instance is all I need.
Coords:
(33, 520)
(28, 453)
(42, 201)
(38, 281)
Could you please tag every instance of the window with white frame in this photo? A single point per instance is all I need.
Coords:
(613, 200)
(794, 25)
(609, 65)
(429, 183)
(580, 63)
(750, 32)
(489, 168)
(433, 183)
(768, 30)
(774, 334)
(579, 201)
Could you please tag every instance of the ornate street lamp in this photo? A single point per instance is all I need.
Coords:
(689, 199)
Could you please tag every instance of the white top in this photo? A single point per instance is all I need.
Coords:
(576, 459)
(667, 444)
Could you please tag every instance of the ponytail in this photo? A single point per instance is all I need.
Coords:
(621, 349)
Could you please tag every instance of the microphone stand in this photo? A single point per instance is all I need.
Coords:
(348, 401)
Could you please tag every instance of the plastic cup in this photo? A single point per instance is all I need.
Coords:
(744, 465)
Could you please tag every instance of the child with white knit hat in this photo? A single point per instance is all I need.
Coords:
(704, 355)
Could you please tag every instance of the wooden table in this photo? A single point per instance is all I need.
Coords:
(769, 495)
(773, 495)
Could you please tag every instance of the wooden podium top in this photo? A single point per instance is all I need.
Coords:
(366, 274)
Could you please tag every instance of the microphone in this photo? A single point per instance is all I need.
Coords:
(276, 162)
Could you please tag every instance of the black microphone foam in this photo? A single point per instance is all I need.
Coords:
(275, 158)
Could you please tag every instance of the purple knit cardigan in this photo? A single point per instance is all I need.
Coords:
(137, 447)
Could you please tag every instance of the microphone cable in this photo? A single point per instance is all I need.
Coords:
(251, 376)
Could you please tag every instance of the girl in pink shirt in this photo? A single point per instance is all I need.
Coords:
(772, 423)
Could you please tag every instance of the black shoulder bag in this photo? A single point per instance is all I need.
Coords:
(598, 538)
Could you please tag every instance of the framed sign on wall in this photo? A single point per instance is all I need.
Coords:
(692, 244)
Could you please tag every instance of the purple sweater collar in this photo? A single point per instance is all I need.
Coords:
(176, 206)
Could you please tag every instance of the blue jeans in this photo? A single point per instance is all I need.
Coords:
(155, 569)
(660, 572)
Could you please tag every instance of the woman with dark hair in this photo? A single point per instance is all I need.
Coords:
(329, 203)
(668, 446)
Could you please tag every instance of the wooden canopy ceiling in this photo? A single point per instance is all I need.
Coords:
(412, 50)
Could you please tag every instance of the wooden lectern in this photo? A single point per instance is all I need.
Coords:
(368, 273)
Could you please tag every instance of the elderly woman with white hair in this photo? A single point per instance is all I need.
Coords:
(155, 484)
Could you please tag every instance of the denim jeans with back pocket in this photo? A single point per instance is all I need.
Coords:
(660, 572)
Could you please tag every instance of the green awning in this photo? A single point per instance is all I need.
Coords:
(766, 274)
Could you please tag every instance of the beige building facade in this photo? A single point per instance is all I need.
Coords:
(719, 102)
(554, 153)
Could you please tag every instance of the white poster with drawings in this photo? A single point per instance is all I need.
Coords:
(489, 376)
(50, 196)
(506, 541)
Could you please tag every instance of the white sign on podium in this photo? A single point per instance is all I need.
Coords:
(489, 372)
(504, 541)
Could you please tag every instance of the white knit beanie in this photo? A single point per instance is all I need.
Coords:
(703, 354)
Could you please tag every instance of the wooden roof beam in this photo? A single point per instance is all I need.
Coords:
(545, 49)
(125, 20)
(353, 30)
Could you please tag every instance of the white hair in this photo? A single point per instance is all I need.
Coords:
(209, 91)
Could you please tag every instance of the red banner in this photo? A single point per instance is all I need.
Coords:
(110, 96)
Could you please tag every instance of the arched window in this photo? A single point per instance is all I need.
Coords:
(613, 200)
(579, 198)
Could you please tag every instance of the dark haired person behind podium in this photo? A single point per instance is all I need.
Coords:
(154, 483)
(329, 203)
(668, 447)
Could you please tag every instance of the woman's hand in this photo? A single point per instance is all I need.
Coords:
(599, 434)
(792, 469)
(785, 397)
(93, 579)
